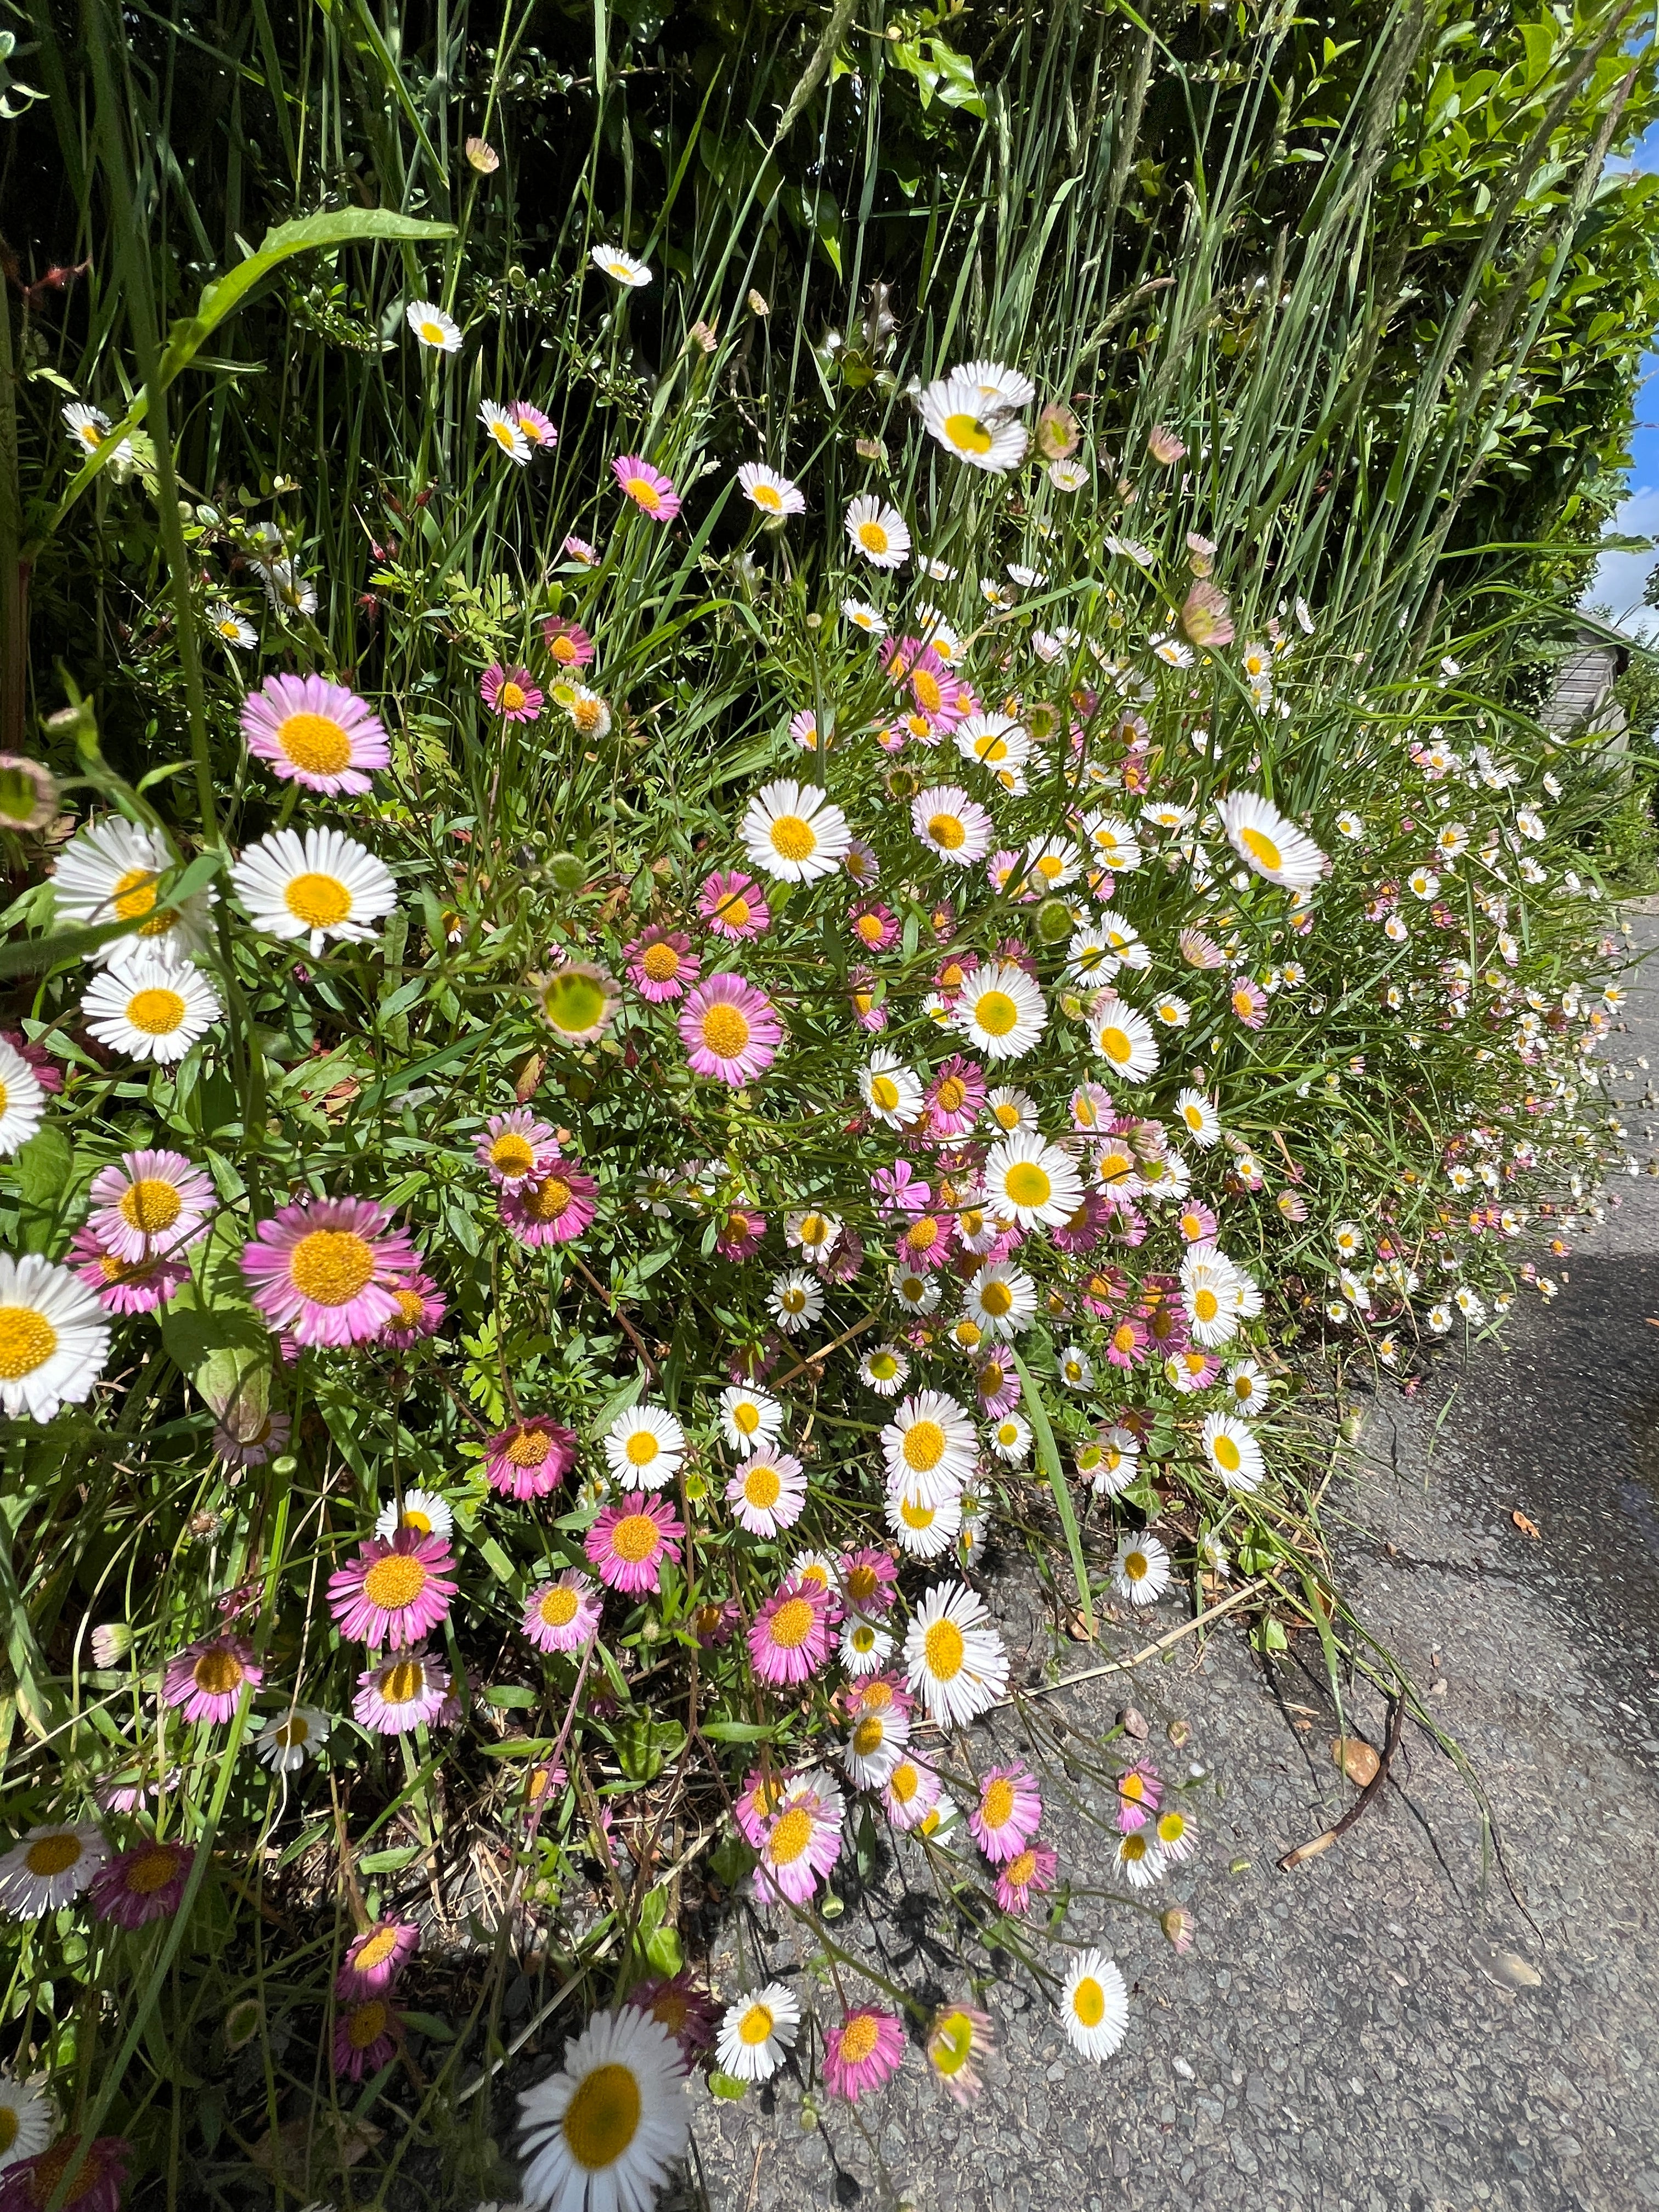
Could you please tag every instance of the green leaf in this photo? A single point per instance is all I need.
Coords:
(1041, 1429)
(735, 1731)
(391, 1861)
(509, 1694)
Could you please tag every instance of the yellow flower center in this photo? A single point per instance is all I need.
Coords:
(151, 1205)
(642, 490)
(792, 1623)
(1243, 1002)
(8, 2125)
(412, 1311)
(134, 893)
(602, 2118)
(1225, 1454)
(967, 432)
(920, 1237)
(53, 1855)
(996, 1806)
(377, 1950)
(633, 1538)
(915, 1515)
(1050, 866)
(395, 1583)
(1171, 1827)
(950, 1094)
(331, 1267)
(882, 1366)
(661, 962)
(790, 1836)
(996, 1013)
(869, 1736)
(725, 1031)
(1136, 1566)
(529, 1448)
(768, 496)
(511, 697)
(433, 334)
(947, 831)
(924, 1445)
(156, 1013)
(869, 927)
(558, 1607)
(872, 537)
(574, 1003)
(548, 1201)
(641, 1448)
(316, 743)
(996, 1298)
(318, 901)
(1262, 849)
(793, 837)
(154, 1871)
(736, 912)
(858, 2039)
(1089, 2001)
(762, 1488)
(1114, 1043)
(755, 2025)
(990, 1379)
(1027, 1184)
(952, 2044)
(944, 1650)
(218, 1673)
(28, 1340)
(904, 1781)
(403, 1682)
(1205, 1305)
(366, 2025)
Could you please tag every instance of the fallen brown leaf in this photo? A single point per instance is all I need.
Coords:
(1356, 1758)
(1080, 1628)
(1527, 1528)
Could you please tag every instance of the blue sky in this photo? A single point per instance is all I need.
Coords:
(1619, 577)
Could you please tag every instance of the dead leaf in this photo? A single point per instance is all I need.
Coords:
(1356, 1759)
(528, 1076)
(1527, 1528)
(1133, 1723)
(1080, 1628)
(1508, 1967)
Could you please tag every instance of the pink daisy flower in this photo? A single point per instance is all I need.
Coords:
(875, 925)
(510, 693)
(879, 1693)
(1000, 870)
(530, 1458)
(151, 1202)
(741, 1233)
(1008, 1813)
(326, 1269)
(789, 1637)
(651, 491)
(375, 1959)
(516, 1148)
(629, 1540)
(1126, 1345)
(579, 551)
(421, 1309)
(713, 1621)
(996, 1387)
(909, 1794)
(868, 1011)
(315, 734)
(926, 1242)
(676, 2002)
(563, 1615)
(365, 2038)
(395, 1591)
(758, 1803)
(731, 1031)
(1139, 1793)
(955, 1098)
(1084, 1229)
(862, 2054)
(661, 966)
(75, 2174)
(125, 1286)
(768, 1494)
(554, 1211)
(735, 906)
(207, 1679)
(1026, 1875)
(535, 425)
(1192, 1371)
(869, 1581)
(567, 642)
(1091, 1107)
(407, 1690)
(938, 693)
(145, 1883)
(1249, 1002)
(803, 1842)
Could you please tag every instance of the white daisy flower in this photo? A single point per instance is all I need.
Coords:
(1110, 1463)
(1002, 1300)
(890, 1091)
(288, 591)
(230, 626)
(953, 1658)
(863, 1648)
(1010, 1109)
(1172, 1010)
(921, 1530)
(929, 1447)
(994, 741)
(643, 1447)
(1067, 475)
(605, 2130)
(793, 833)
(996, 380)
(90, 427)
(323, 886)
(795, 1300)
(912, 1289)
(749, 1418)
(1089, 957)
(622, 268)
(421, 1510)
(768, 1494)
(1199, 1118)
(950, 825)
(1031, 1182)
(22, 1102)
(50, 1865)
(1094, 2006)
(1126, 1039)
(28, 2121)
(1137, 1860)
(978, 429)
(109, 873)
(755, 2036)
(288, 1739)
(507, 430)
(999, 1010)
(884, 1370)
(1247, 1389)
(862, 616)
(1141, 1572)
(1111, 837)
(873, 1748)
(151, 1009)
(1210, 1285)
(433, 326)
(1269, 841)
(812, 1232)
(774, 494)
(1010, 1438)
(1052, 862)
(878, 531)
(1232, 1451)
(1075, 1369)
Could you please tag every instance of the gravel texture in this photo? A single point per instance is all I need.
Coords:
(1391, 2025)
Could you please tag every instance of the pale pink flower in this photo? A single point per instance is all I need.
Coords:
(731, 1031)
(563, 1615)
(394, 1592)
(863, 2053)
(375, 1959)
(326, 1269)
(629, 1540)
(651, 491)
(530, 1458)
(735, 906)
(1008, 1813)
(314, 733)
